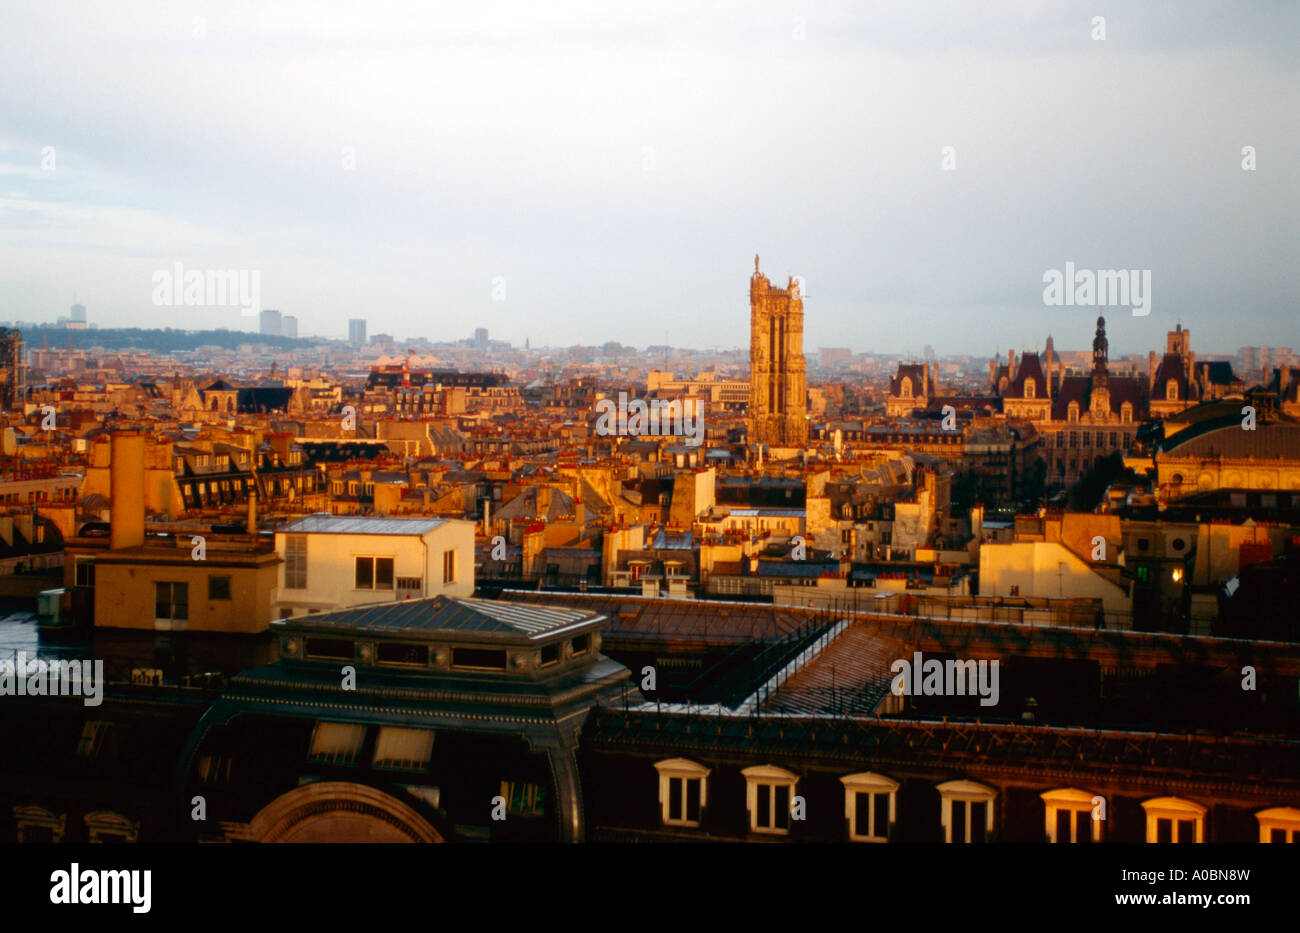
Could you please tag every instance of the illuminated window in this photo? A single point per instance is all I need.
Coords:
(869, 801)
(337, 743)
(403, 749)
(1069, 816)
(523, 798)
(448, 566)
(683, 791)
(966, 811)
(769, 797)
(1280, 824)
(1172, 819)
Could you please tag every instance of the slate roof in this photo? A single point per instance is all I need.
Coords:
(346, 525)
(1269, 441)
(1029, 370)
(446, 614)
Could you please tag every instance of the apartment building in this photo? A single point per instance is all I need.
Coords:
(335, 561)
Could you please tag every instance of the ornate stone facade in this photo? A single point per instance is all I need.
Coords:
(778, 386)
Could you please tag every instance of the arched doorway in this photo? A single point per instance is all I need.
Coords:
(338, 811)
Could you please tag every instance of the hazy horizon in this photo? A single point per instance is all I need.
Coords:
(616, 171)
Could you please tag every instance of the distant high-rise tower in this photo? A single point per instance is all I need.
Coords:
(357, 332)
(481, 337)
(778, 389)
(79, 313)
(271, 323)
(12, 370)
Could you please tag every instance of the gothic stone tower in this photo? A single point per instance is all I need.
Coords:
(778, 390)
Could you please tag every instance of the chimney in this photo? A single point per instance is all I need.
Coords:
(126, 489)
(1011, 366)
(1151, 371)
(1047, 371)
(993, 374)
(252, 511)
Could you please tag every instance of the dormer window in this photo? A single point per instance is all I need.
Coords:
(966, 811)
(770, 797)
(905, 388)
(1172, 819)
(683, 791)
(869, 806)
(1030, 389)
(1171, 391)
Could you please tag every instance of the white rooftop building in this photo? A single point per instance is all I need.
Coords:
(334, 562)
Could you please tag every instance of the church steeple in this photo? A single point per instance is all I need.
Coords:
(1100, 349)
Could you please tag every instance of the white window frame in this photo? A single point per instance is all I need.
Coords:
(774, 777)
(1286, 819)
(968, 792)
(1073, 800)
(869, 782)
(1173, 809)
(685, 770)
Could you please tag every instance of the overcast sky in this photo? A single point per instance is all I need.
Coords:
(619, 165)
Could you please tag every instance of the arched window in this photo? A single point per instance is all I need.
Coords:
(1126, 414)
(1173, 819)
(1030, 388)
